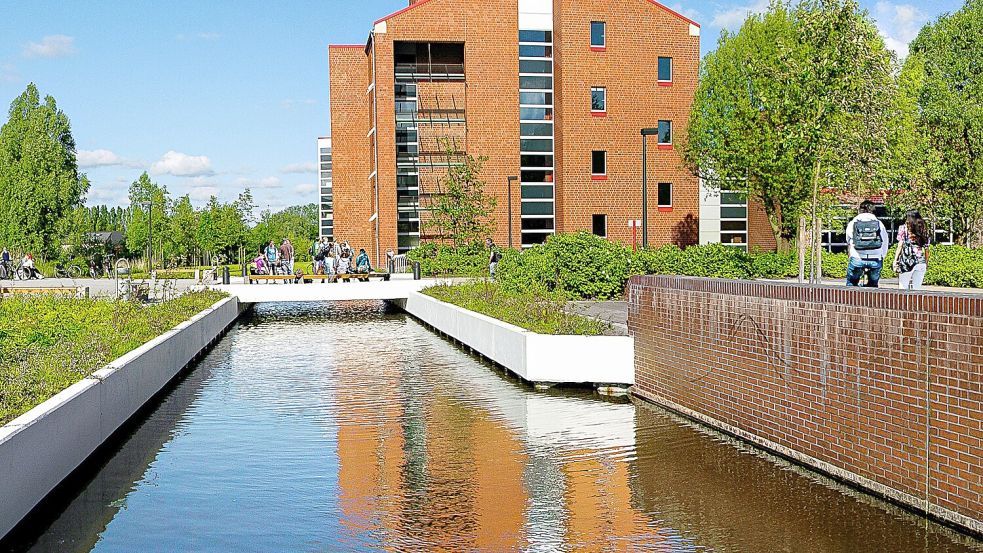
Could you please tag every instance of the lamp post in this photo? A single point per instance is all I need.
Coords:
(150, 226)
(512, 178)
(645, 191)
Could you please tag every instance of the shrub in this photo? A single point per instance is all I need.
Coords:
(774, 265)
(444, 260)
(539, 311)
(955, 266)
(49, 343)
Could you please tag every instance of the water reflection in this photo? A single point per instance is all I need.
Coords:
(348, 427)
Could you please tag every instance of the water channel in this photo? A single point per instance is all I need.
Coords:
(351, 427)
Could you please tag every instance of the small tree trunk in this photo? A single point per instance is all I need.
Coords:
(802, 249)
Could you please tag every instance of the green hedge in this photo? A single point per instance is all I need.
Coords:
(585, 266)
(48, 343)
(536, 311)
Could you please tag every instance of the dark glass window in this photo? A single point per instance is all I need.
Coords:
(733, 212)
(535, 176)
(526, 145)
(526, 51)
(537, 224)
(536, 98)
(600, 225)
(665, 194)
(531, 239)
(598, 99)
(530, 81)
(535, 129)
(537, 193)
(537, 208)
(535, 36)
(535, 66)
(536, 114)
(536, 161)
(665, 132)
(665, 69)
(599, 163)
(598, 33)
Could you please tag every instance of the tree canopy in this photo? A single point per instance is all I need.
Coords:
(795, 102)
(39, 178)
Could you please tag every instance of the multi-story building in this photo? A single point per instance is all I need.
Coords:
(553, 92)
(325, 199)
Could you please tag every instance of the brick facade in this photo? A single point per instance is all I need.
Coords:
(640, 31)
(878, 388)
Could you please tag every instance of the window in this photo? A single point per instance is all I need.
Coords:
(535, 36)
(598, 32)
(665, 194)
(535, 66)
(665, 70)
(599, 163)
(599, 100)
(600, 225)
(665, 132)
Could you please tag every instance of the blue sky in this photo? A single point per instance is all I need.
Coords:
(212, 97)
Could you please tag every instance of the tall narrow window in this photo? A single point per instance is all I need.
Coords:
(599, 100)
(598, 34)
(665, 195)
(665, 132)
(665, 70)
(599, 222)
(599, 163)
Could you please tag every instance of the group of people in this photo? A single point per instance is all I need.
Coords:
(868, 244)
(330, 258)
(7, 269)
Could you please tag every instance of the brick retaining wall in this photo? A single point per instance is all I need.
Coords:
(879, 388)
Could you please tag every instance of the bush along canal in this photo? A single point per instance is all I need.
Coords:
(352, 427)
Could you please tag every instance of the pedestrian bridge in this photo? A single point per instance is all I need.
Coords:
(395, 289)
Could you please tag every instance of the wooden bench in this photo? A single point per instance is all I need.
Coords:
(347, 277)
(270, 278)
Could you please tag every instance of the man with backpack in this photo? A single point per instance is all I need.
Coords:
(868, 242)
(493, 257)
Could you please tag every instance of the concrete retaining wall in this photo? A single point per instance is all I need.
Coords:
(42, 447)
(538, 358)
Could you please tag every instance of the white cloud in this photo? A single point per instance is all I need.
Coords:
(266, 182)
(182, 165)
(203, 193)
(103, 158)
(733, 18)
(8, 73)
(305, 188)
(899, 24)
(51, 46)
(310, 167)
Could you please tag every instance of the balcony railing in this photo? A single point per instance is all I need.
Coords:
(430, 71)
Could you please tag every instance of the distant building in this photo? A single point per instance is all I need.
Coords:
(326, 199)
(553, 92)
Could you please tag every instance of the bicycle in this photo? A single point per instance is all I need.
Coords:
(27, 273)
(6, 271)
(73, 272)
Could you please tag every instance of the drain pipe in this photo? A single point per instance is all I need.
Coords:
(375, 125)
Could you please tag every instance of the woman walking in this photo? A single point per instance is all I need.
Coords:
(911, 257)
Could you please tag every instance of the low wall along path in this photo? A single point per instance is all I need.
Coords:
(878, 388)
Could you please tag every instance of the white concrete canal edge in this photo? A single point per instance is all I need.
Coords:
(397, 288)
(42, 447)
(537, 358)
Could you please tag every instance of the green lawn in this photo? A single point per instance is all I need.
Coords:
(49, 343)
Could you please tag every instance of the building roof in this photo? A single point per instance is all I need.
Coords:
(422, 2)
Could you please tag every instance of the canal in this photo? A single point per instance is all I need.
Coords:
(351, 427)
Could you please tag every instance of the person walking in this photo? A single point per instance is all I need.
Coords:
(493, 256)
(6, 269)
(911, 256)
(868, 242)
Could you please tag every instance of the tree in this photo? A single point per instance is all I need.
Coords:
(459, 210)
(39, 178)
(943, 78)
(298, 223)
(148, 206)
(794, 104)
(183, 230)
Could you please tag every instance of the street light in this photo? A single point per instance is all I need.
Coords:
(645, 191)
(150, 224)
(512, 178)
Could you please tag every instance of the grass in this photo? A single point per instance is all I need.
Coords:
(539, 312)
(49, 343)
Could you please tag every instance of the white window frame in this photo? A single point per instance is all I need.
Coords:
(672, 189)
(604, 36)
(671, 69)
(605, 173)
(605, 215)
(603, 90)
(659, 134)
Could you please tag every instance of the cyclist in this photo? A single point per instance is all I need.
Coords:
(6, 270)
(30, 270)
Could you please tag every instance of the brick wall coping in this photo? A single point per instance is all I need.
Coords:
(945, 303)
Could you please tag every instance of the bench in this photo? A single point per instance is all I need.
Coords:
(347, 277)
(270, 278)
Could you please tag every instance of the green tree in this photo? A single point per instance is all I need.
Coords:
(794, 103)
(148, 205)
(943, 77)
(298, 223)
(459, 210)
(183, 230)
(39, 178)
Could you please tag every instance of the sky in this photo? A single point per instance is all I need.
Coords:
(212, 97)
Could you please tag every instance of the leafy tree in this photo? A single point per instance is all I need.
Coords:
(182, 230)
(459, 210)
(148, 205)
(39, 178)
(794, 103)
(943, 79)
(298, 223)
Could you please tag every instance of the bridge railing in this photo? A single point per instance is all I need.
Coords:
(399, 264)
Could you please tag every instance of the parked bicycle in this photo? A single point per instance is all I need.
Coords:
(6, 271)
(72, 272)
(27, 272)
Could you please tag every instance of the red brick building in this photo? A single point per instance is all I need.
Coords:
(553, 92)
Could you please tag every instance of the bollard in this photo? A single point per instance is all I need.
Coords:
(225, 275)
(416, 270)
(245, 271)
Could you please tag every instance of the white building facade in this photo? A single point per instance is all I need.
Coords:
(326, 198)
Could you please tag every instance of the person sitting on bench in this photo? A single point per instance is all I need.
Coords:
(362, 265)
(344, 264)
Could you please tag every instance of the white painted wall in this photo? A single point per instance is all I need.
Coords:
(42, 447)
(536, 15)
(375, 289)
(534, 357)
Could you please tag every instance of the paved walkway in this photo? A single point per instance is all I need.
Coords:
(98, 287)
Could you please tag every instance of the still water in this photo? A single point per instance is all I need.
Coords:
(350, 427)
